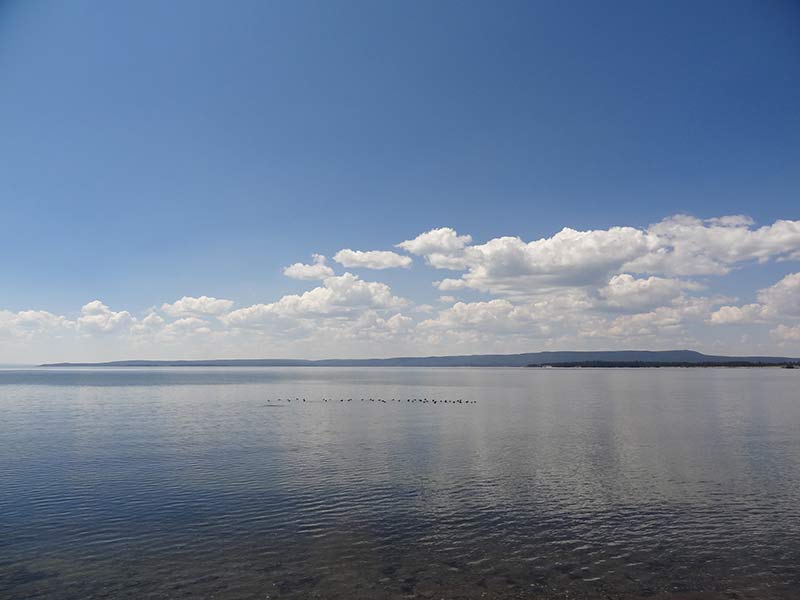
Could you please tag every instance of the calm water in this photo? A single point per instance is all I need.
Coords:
(187, 483)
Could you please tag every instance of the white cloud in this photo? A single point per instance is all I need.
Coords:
(677, 246)
(41, 320)
(777, 301)
(500, 316)
(509, 265)
(156, 328)
(783, 298)
(684, 245)
(485, 327)
(152, 323)
(493, 315)
(187, 326)
(786, 333)
(336, 296)
(450, 285)
(96, 317)
(373, 259)
(368, 325)
(27, 323)
(620, 287)
(731, 221)
(629, 293)
(444, 240)
(661, 321)
(204, 305)
(317, 270)
(749, 313)
(442, 248)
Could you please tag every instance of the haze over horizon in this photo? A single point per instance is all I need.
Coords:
(365, 179)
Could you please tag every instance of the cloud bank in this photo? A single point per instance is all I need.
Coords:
(623, 287)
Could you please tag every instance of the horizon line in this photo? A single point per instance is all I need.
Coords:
(390, 358)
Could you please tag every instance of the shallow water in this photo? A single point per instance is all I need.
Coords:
(606, 483)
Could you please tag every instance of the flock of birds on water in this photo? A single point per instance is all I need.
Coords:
(280, 401)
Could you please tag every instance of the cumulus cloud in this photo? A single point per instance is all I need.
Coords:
(676, 246)
(27, 323)
(684, 245)
(661, 321)
(370, 325)
(336, 296)
(204, 305)
(786, 333)
(96, 317)
(187, 326)
(777, 301)
(749, 313)
(529, 318)
(151, 323)
(449, 285)
(493, 316)
(608, 288)
(629, 293)
(41, 320)
(372, 259)
(509, 265)
(783, 298)
(442, 248)
(317, 270)
(570, 257)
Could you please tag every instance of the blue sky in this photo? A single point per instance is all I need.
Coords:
(151, 151)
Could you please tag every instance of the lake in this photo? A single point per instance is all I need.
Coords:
(540, 483)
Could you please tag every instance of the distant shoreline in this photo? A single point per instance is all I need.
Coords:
(599, 364)
(599, 359)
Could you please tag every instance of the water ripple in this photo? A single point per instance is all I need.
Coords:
(665, 484)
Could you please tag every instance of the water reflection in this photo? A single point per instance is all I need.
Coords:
(183, 483)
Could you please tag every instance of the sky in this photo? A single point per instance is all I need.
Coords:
(300, 179)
